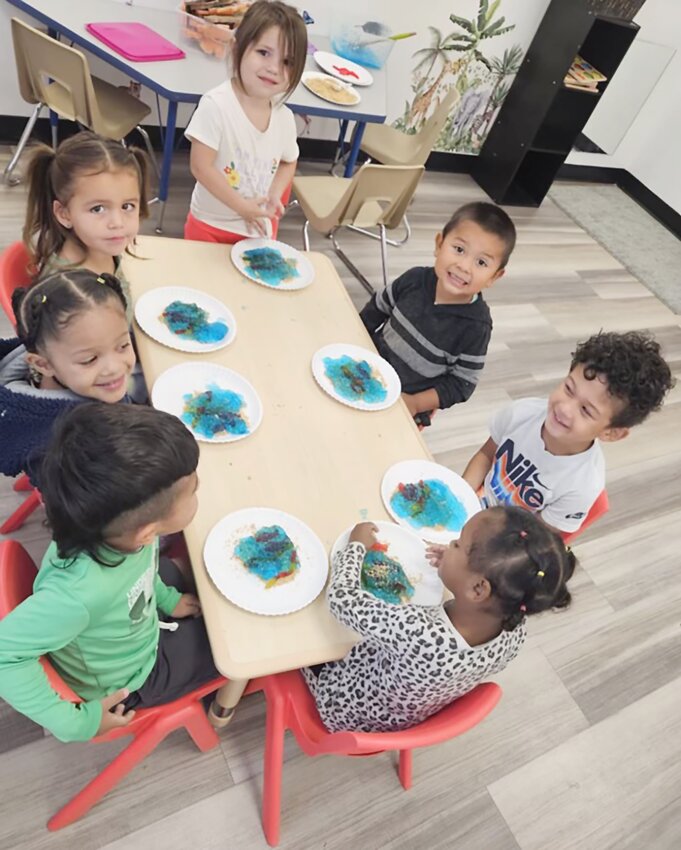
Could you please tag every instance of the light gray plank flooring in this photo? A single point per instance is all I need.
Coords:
(583, 750)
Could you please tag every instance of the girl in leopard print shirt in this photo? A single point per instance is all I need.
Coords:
(413, 660)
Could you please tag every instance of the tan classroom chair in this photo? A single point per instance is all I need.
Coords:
(55, 75)
(385, 144)
(377, 196)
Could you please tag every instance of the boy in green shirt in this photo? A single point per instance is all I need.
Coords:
(115, 478)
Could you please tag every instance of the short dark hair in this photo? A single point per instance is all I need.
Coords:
(43, 310)
(262, 15)
(635, 372)
(105, 461)
(490, 218)
(526, 563)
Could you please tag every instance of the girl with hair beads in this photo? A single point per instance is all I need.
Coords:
(85, 201)
(73, 345)
(243, 138)
(414, 660)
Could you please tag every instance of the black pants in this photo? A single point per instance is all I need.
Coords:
(184, 660)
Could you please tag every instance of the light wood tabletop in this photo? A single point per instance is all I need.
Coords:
(312, 456)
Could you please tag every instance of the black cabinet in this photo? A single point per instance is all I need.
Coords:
(541, 118)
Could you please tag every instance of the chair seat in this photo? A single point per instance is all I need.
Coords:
(319, 197)
(389, 146)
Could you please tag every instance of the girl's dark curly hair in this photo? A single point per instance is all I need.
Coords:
(634, 369)
(527, 565)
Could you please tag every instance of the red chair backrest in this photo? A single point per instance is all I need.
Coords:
(15, 265)
(600, 507)
(17, 574)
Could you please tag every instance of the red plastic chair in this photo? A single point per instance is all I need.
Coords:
(15, 263)
(290, 705)
(148, 729)
(600, 507)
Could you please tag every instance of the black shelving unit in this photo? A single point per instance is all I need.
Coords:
(541, 118)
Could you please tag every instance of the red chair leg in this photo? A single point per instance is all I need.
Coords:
(200, 730)
(136, 751)
(405, 768)
(22, 513)
(22, 483)
(274, 764)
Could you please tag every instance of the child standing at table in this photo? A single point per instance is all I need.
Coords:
(243, 138)
(432, 324)
(543, 455)
(115, 478)
(413, 660)
(73, 345)
(85, 201)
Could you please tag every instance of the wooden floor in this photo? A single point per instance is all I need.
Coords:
(584, 750)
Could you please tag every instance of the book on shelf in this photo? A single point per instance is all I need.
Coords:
(583, 75)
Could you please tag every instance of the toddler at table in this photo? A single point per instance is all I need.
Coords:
(413, 660)
(73, 346)
(85, 201)
(114, 479)
(432, 323)
(544, 455)
(243, 138)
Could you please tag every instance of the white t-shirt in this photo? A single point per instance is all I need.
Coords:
(246, 156)
(560, 487)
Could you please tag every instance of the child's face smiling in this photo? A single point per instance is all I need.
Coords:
(579, 411)
(93, 356)
(467, 260)
(265, 67)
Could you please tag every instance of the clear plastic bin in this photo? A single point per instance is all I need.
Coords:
(357, 39)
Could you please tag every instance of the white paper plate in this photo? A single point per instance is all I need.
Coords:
(379, 366)
(186, 379)
(302, 271)
(245, 589)
(336, 65)
(413, 471)
(150, 306)
(335, 83)
(407, 548)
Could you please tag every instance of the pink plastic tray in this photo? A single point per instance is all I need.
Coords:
(135, 41)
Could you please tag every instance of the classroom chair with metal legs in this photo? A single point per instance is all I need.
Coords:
(377, 196)
(55, 75)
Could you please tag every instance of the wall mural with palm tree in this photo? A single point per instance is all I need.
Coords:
(463, 58)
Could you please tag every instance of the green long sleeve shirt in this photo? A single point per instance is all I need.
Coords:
(99, 626)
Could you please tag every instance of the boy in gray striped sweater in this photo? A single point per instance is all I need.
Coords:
(432, 323)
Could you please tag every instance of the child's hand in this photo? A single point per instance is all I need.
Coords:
(364, 533)
(254, 213)
(119, 716)
(434, 554)
(273, 206)
(188, 606)
(411, 403)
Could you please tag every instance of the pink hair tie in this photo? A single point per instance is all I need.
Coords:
(523, 534)
(523, 608)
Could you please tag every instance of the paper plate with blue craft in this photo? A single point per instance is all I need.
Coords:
(266, 561)
(356, 376)
(428, 499)
(217, 404)
(185, 319)
(273, 264)
(396, 570)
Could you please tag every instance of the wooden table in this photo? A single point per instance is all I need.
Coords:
(311, 456)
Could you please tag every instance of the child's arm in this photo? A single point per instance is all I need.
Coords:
(480, 464)
(45, 622)
(381, 304)
(421, 402)
(202, 166)
(282, 178)
(391, 625)
(460, 380)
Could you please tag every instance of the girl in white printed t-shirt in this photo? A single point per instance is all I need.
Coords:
(243, 138)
